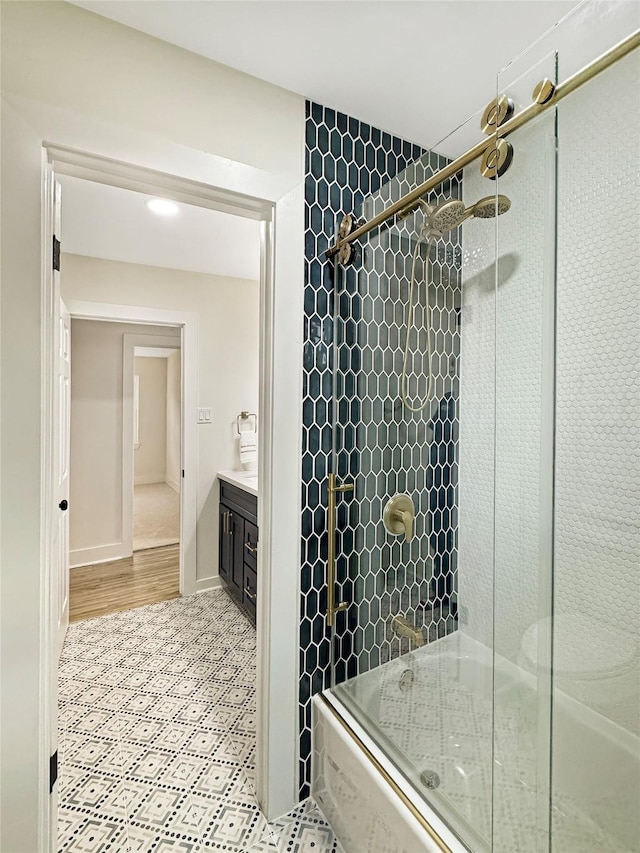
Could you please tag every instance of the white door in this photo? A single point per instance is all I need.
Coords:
(59, 446)
(61, 483)
(57, 482)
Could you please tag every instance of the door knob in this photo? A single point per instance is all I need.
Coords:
(399, 515)
(64, 505)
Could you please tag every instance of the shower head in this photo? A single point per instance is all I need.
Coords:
(490, 206)
(445, 216)
(452, 212)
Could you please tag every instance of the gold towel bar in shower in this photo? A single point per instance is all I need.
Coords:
(333, 489)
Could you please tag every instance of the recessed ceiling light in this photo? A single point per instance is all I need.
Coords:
(162, 206)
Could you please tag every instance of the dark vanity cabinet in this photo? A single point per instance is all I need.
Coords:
(238, 524)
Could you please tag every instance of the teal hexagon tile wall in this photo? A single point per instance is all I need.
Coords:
(354, 168)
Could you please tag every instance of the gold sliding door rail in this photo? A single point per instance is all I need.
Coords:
(555, 94)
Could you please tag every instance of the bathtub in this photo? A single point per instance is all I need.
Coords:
(406, 758)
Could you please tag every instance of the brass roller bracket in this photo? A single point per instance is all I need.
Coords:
(495, 114)
(544, 91)
(345, 251)
(495, 161)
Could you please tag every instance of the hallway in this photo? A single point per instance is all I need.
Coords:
(146, 577)
(157, 736)
(156, 516)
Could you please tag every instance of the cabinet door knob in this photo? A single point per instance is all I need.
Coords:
(64, 505)
(252, 549)
(250, 595)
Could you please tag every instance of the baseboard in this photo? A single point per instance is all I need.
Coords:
(174, 485)
(99, 554)
(149, 481)
(206, 584)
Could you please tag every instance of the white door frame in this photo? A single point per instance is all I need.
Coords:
(188, 324)
(279, 445)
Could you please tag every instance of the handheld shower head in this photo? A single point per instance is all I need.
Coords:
(490, 206)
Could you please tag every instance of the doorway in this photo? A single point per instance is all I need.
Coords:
(157, 447)
(221, 342)
(279, 378)
(110, 424)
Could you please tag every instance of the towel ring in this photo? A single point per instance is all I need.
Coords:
(245, 416)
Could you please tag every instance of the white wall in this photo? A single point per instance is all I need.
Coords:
(150, 456)
(228, 328)
(597, 543)
(173, 444)
(22, 798)
(102, 70)
(75, 79)
(95, 500)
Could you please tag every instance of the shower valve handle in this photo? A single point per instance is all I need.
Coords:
(406, 519)
(399, 515)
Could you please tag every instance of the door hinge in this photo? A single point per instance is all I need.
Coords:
(56, 253)
(53, 770)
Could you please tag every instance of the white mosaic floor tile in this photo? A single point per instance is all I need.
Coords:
(157, 736)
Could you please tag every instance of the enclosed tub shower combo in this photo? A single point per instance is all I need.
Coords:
(483, 525)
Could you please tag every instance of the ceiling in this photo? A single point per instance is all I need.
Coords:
(107, 222)
(417, 68)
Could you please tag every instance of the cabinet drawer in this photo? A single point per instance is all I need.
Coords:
(251, 545)
(239, 501)
(250, 590)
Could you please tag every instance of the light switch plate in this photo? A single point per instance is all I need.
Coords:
(204, 416)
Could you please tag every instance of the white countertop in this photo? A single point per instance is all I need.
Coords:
(246, 480)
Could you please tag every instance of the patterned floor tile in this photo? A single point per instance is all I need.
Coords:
(267, 845)
(82, 833)
(223, 781)
(235, 826)
(304, 830)
(142, 840)
(157, 736)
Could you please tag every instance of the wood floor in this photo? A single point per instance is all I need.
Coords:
(147, 577)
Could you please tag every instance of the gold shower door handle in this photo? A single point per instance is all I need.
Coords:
(333, 489)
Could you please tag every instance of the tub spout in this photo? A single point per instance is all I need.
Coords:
(404, 628)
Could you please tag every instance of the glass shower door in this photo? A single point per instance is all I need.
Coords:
(524, 473)
(418, 684)
(491, 647)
